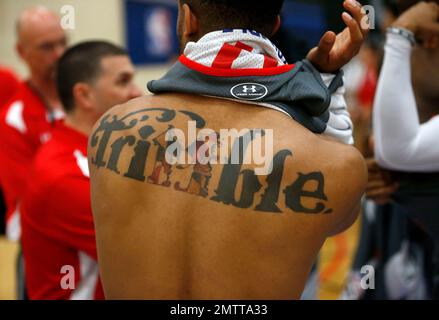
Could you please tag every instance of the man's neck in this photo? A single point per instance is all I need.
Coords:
(78, 123)
(47, 90)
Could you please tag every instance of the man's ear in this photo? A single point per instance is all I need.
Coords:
(276, 26)
(83, 95)
(191, 24)
(19, 49)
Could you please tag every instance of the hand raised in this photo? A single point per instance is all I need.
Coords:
(335, 51)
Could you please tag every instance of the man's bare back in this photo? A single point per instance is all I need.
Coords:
(214, 231)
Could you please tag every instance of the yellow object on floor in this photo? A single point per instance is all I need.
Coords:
(8, 258)
(335, 260)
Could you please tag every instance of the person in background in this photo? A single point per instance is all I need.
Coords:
(400, 225)
(26, 120)
(403, 141)
(58, 230)
(406, 125)
(8, 86)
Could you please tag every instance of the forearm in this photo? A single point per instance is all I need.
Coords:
(401, 143)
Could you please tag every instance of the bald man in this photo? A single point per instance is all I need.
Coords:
(26, 121)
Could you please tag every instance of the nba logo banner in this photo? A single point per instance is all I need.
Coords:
(151, 30)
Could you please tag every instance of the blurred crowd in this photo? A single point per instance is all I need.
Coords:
(394, 99)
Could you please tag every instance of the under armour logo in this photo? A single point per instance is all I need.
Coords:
(246, 89)
(249, 91)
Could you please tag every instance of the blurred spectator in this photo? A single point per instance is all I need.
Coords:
(8, 86)
(57, 221)
(402, 142)
(406, 109)
(26, 120)
(405, 207)
(407, 124)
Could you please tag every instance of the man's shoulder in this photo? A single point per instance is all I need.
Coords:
(338, 159)
(56, 161)
(7, 74)
(22, 109)
(170, 100)
(9, 83)
(338, 162)
(139, 108)
(27, 97)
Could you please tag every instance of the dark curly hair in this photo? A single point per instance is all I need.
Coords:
(237, 14)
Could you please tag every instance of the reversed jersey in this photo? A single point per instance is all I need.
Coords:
(24, 126)
(58, 232)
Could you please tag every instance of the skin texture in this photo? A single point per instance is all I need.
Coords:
(156, 241)
(214, 231)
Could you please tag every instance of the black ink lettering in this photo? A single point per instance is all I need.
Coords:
(136, 169)
(271, 194)
(230, 177)
(116, 149)
(295, 192)
(107, 127)
(200, 122)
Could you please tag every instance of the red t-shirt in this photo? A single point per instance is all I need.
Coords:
(8, 85)
(57, 223)
(24, 126)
